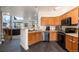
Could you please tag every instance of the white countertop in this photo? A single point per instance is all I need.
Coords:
(72, 34)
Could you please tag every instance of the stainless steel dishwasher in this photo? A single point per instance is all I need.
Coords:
(47, 34)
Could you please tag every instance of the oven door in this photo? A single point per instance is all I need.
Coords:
(61, 40)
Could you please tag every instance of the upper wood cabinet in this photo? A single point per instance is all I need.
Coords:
(44, 20)
(57, 21)
(74, 15)
(50, 21)
(64, 16)
(47, 20)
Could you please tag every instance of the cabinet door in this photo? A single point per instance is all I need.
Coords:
(69, 14)
(75, 44)
(75, 16)
(53, 36)
(69, 43)
(51, 20)
(30, 38)
(38, 36)
(57, 21)
(64, 16)
(44, 20)
(47, 20)
(34, 37)
(60, 18)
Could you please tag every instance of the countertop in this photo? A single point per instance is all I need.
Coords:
(33, 31)
(41, 31)
(72, 34)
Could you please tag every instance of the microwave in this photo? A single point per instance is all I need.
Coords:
(66, 21)
(70, 30)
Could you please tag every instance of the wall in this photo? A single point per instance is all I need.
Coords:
(0, 21)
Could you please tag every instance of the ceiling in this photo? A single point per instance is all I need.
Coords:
(32, 11)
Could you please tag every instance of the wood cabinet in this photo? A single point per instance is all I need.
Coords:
(75, 44)
(57, 21)
(68, 43)
(53, 36)
(47, 20)
(74, 15)
(34, 37)
(71, 43)
(50, 21)
(44, 20)
(64, 16)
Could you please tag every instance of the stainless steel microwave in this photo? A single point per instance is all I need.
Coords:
(66, 22)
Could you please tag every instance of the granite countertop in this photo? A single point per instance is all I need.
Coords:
(33, 31)
(72, 34)
(51, 31)
(42, 31)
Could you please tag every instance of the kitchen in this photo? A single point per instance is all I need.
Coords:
(44, 25)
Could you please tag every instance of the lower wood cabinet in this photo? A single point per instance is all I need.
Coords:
(34, 37)
(75, 44)
(53, 36)
(71, 43)
(68, 43)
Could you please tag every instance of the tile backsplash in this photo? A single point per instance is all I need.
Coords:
(44, 27)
